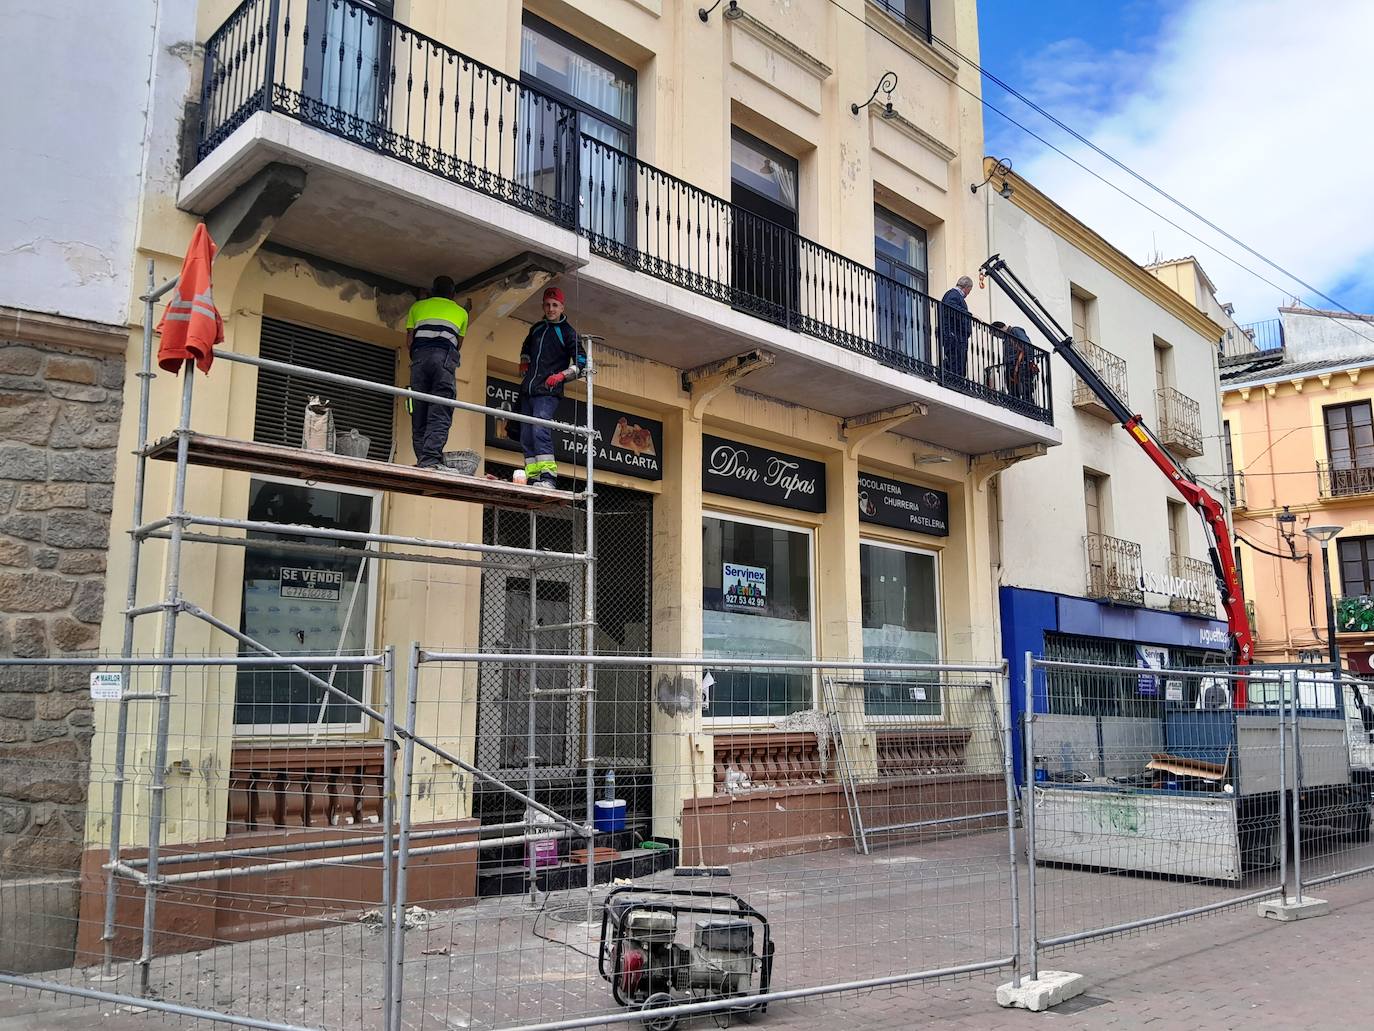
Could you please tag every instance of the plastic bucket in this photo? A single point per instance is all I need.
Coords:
(609, 815)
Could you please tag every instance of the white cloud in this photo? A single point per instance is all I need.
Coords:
(1257, 114)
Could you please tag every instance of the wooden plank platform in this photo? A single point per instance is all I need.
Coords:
(326, 467)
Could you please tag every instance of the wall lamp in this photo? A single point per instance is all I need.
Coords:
(1002, 168)
(886, 84)
(731, 12)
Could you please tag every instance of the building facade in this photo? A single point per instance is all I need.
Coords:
(758, 250)
(1301, 453)
(1098, 560)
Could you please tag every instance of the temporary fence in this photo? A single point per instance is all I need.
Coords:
(334, 887)
(1153, 796)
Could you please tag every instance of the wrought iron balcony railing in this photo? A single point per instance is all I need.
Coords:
(1334, 481)
(1180, 422)
(1194, 586)
(1113, 569)
(341, 67)
(1111, 368)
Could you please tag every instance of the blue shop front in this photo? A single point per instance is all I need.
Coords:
(1066, 628)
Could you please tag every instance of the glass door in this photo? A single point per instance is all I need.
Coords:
(763, 234)
(347, 69)
(899, 256)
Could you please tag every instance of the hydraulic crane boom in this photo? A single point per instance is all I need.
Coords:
(1212, 513)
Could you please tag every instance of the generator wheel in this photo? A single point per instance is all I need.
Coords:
(657, 1001)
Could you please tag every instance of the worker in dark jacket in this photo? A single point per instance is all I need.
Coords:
(956, 327)
(551, 355)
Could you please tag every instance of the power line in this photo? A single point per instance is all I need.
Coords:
(1096, 175)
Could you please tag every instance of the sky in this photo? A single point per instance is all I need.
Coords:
(1256, 113)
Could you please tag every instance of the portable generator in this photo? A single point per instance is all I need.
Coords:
(728, 954)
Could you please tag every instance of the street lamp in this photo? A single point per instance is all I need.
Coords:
(1323, 534)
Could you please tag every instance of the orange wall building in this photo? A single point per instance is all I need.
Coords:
(1299, 431)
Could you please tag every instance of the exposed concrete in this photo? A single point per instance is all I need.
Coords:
(1038, 994)
(1289, 908)
(38, 930)
(245, 219)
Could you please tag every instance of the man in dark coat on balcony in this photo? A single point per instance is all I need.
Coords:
(956, 328)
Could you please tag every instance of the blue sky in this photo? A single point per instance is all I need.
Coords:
(1235, 106)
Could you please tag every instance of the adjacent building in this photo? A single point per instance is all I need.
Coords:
(1300, 452)
(1097, 559)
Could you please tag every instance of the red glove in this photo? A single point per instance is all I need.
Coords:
(524, 366)
(555, 380)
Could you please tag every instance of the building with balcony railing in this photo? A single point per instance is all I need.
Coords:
(1137, 588)
(1308, 394)
(759, 270)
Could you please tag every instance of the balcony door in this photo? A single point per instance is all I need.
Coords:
(347, 65)
(578, 91)
(900, 259)
(763, 238)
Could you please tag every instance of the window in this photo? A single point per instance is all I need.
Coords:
(1161, 366)
(1349, 436)
(1079, 305)
(900, 257)
(1089, 693)
(1228, 456)
(281, 396)
(312, 604)
(900, 593)
(1178, 529)
(914, 14)
(600, 93)
(1093, 490)
(763, 199)
(1357, 566)
(349, 67)
(756, 603)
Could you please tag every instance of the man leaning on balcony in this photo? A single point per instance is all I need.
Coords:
(435, 327)
(956, 328)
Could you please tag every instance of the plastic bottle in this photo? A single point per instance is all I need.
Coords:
(608, 791)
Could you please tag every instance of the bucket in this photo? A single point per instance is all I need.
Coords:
(609, 815)
(352, 444)
(541, 852)
(464, 463)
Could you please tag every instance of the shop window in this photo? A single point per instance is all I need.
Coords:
(1101, 693)
(899, 588)
(304, 604)
(281, 396)
(756, 602)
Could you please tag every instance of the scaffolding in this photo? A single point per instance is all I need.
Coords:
(184, 448)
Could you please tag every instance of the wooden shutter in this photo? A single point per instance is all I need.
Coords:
(282, 396)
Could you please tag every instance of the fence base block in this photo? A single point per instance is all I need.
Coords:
(1049, 989)
(1293, 909)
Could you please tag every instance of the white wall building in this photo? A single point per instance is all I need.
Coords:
(1100, 558)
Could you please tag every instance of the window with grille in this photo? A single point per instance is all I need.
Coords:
(282, 396)
(1095, 693)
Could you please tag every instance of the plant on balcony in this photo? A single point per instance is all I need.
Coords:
(1355, 615)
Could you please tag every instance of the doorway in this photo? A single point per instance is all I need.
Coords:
(763, 203)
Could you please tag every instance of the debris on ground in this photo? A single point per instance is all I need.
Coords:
(416, 917)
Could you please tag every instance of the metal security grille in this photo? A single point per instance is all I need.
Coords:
(624, 520)
(1079, 693)
(281, 397)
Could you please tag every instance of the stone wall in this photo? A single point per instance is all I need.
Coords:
(59, 423)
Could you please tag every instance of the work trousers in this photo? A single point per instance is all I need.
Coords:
(431, 372)
(537, 441)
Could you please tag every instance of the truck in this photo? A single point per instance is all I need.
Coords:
(1206, 792)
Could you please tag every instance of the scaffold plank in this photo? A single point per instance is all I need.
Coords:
(326, 467)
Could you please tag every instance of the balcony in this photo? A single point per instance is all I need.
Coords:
(1194, 586)
(1113, 569)
(1111, 368)
(1335, 483)
(1180, 422)
(404, 131)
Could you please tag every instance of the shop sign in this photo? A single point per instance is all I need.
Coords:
(903, 505)
(1150, 656)
(745, 588)
(1170, 586)
(761, 474)
(1214, 638)
(312, 584)
(629, 444)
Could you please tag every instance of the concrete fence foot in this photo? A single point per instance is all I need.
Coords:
(1038, 994)
(1293, 909)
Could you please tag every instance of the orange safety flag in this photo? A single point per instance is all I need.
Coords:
(191, 326)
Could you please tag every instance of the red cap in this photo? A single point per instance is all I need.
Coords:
(554, 294)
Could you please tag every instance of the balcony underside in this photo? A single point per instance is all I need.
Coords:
(368, 211)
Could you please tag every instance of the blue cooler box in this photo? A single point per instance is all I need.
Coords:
(609, 815)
